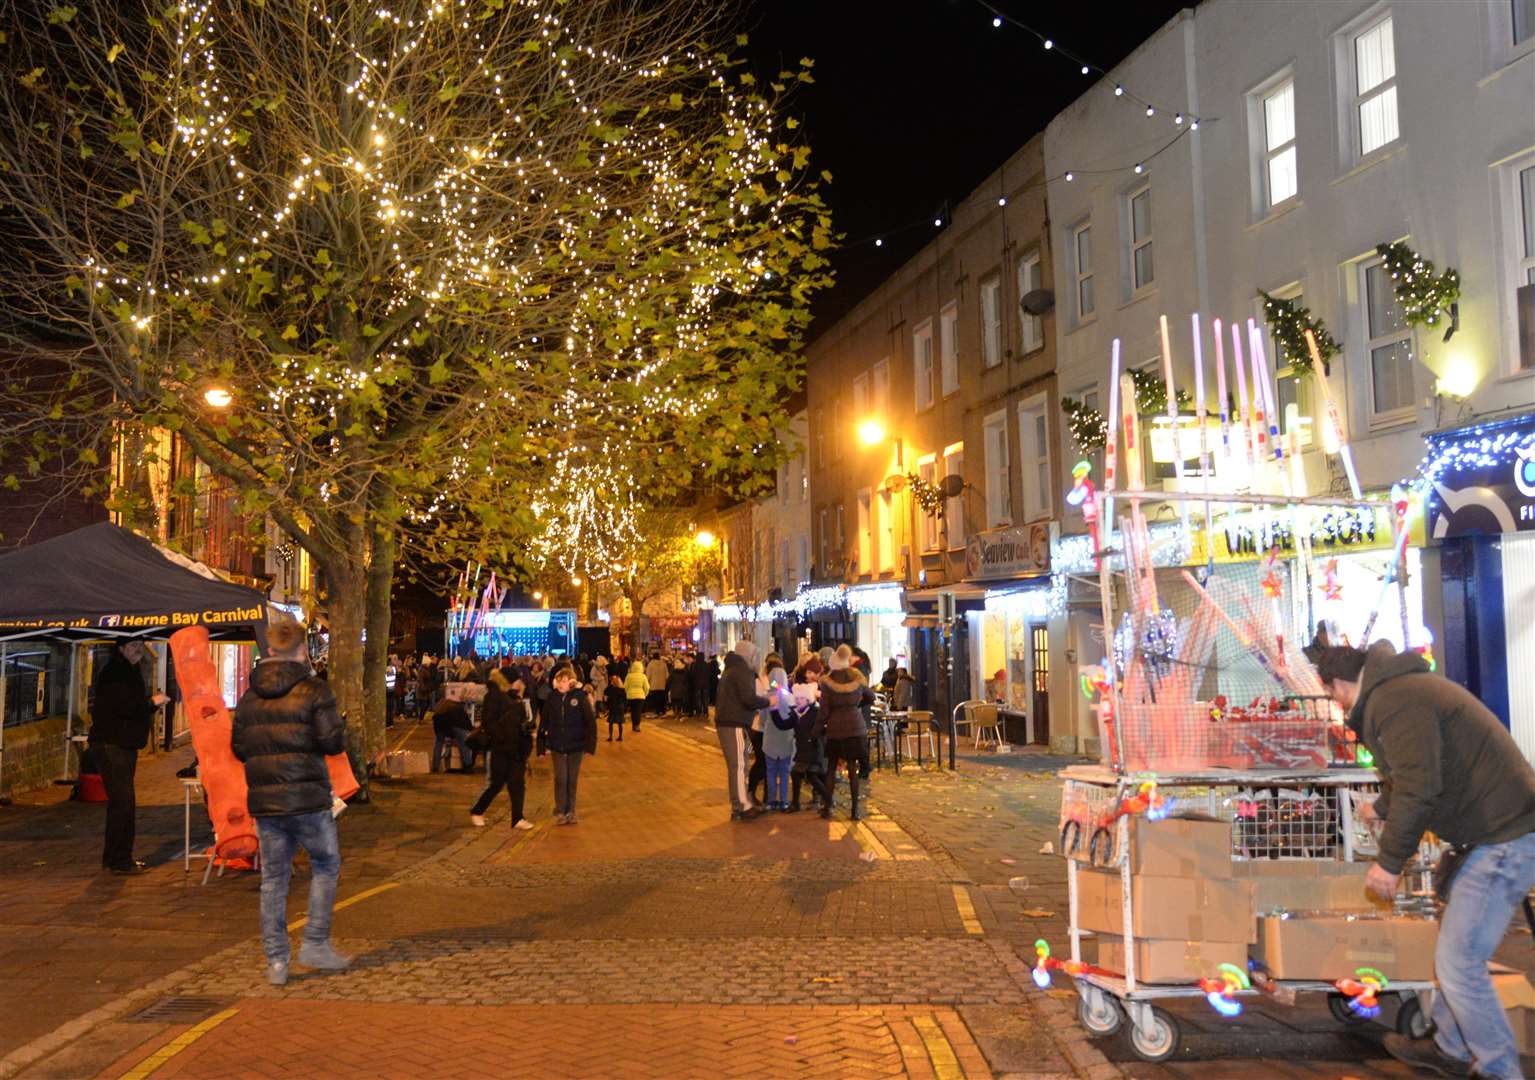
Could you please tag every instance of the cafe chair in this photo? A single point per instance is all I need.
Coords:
(988, 725)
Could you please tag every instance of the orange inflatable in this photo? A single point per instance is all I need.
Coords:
(221, 773)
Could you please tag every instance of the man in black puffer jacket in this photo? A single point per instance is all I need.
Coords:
(284, 727)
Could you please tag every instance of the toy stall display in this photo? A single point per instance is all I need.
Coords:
(1212, 852)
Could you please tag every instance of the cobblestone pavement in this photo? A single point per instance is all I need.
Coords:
(655, 938)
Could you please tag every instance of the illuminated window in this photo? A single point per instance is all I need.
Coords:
(1375, 86)
(1279, 166)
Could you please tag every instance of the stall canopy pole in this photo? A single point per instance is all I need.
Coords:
(69, 710)
(4, 684)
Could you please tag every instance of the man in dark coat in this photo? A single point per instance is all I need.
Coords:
(1448, 765)
(698, 686)
(508, 727)
(567, 728)
(284, 727)
(735, 706)
(121, 716)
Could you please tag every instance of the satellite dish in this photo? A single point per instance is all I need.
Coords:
(952, 485)
(1037, 301)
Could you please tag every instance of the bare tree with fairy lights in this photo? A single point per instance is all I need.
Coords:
(383, 267)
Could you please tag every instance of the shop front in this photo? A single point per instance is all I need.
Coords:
(1480, 510)
(1010, 634)
(879, 616)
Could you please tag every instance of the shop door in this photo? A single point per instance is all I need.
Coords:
(1039, 636)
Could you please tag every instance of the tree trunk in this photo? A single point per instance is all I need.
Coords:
(380, 581)
(346, 604)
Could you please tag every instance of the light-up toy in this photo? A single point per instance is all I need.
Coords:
(1221, 992)
(1044, 964)
(1363, 992)
(1084, 495)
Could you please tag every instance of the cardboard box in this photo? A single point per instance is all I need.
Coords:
(407, 763)
(1518, 998)
(1167, 960)
(1329, 945)
(1193, 847)
(1185, 909)
(1307, 885)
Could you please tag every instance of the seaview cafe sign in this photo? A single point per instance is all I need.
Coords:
(1247, 535)
(1015, 551)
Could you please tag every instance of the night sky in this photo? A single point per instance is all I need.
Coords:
(916, 101)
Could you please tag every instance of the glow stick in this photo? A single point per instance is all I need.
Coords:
(1111, 448)
(1244, 414)
(1172, 416)
(1332, 415)
(1256, 651)
(1260, 422)
(1261, 375)
(1199, 404)
(1135, 473)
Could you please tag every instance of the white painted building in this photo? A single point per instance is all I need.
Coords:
(1327, 127)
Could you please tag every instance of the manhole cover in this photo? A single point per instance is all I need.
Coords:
(177, 1010)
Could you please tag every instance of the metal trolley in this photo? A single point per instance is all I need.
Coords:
(1295, 815)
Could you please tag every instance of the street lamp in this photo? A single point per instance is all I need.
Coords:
(218, 397)
(704, 539)
(871, 432)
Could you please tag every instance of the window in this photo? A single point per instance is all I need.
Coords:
(991, 321)
(1036, 460)
(1389, 346)
(839, 552)
(823, 542)
(881, 373)
(954, 511)
(999, 510)
(1279, 143)
(948, 343)
(865, 531)
(1290, 381)
(1082, 245)
(820, 438)
(1375, 86)
(922, 364)
(804, 553)
(860, 397)
(1527, 218)
(886, 529)
(1141, 272)
(833, 433)
(927, 469)
(1030, 278)
(1523, 16)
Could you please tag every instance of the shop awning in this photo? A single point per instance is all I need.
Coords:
(963, 591)
(103, 582)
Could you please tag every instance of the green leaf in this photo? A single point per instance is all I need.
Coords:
(126, 200)
(438, 372)
(322, 257)
(197, 233)
(58, 16)
(449, 91)
(290, 332)
(114, 52)
(29, 80)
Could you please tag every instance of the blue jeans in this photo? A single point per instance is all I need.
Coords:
(316, 834)
(778, 778)
(1485, 894)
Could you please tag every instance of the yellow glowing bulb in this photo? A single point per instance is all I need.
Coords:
(537, 595)
(218, 397)
(575, 581)
(871, 432)
(704, 539)
(1458, 377)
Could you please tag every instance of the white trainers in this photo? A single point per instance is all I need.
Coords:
(523, 823)
(477, 820)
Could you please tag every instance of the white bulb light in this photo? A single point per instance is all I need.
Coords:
(997, 21)
(1139, 168)
(1084, 69)
(1070, 177)
(1150, 111)
(1119, 91)
(938, 223)
(1049, 44)
(879, 242)
(1002, 201)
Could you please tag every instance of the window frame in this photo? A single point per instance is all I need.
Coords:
(861, 396)
(820, 439)
(954, 509)
(865, 530)
(1402, 414)
(879, 384)
(991, 332)
(840, 516)
(922, 358)
(1305, 393)
(1136, 243)
(927, 471)
(948, 350)
(1029, 342)
(999, 478)
(1030, 411)
(1080, 278)
(1515, 40)
(823, 539)
(1358, 99)
(1268, 154)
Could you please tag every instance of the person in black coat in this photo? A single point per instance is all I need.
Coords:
(121, 716)
(698, 686)
(567, 728)
(284, 727)
(617, 701)
(508, 727)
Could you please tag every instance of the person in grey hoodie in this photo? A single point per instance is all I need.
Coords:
(1447, 764)
(734, 708)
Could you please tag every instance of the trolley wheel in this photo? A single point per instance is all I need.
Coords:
(1099, 1012)
(1411, 1020)
(1337, 1004)
(1159, 1040)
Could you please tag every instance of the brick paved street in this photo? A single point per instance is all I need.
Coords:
(655, 938)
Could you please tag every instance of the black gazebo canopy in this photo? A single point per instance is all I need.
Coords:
(102, 581)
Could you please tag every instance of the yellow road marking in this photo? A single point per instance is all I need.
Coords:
(176, 1046)
(939, 1052)
(348, 902)
(404, 738)
(966, 910)
(868, 841)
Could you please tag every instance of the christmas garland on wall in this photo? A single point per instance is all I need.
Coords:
(1288, 321)
(1425, 297)
(929, 496)
(1090, 430)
